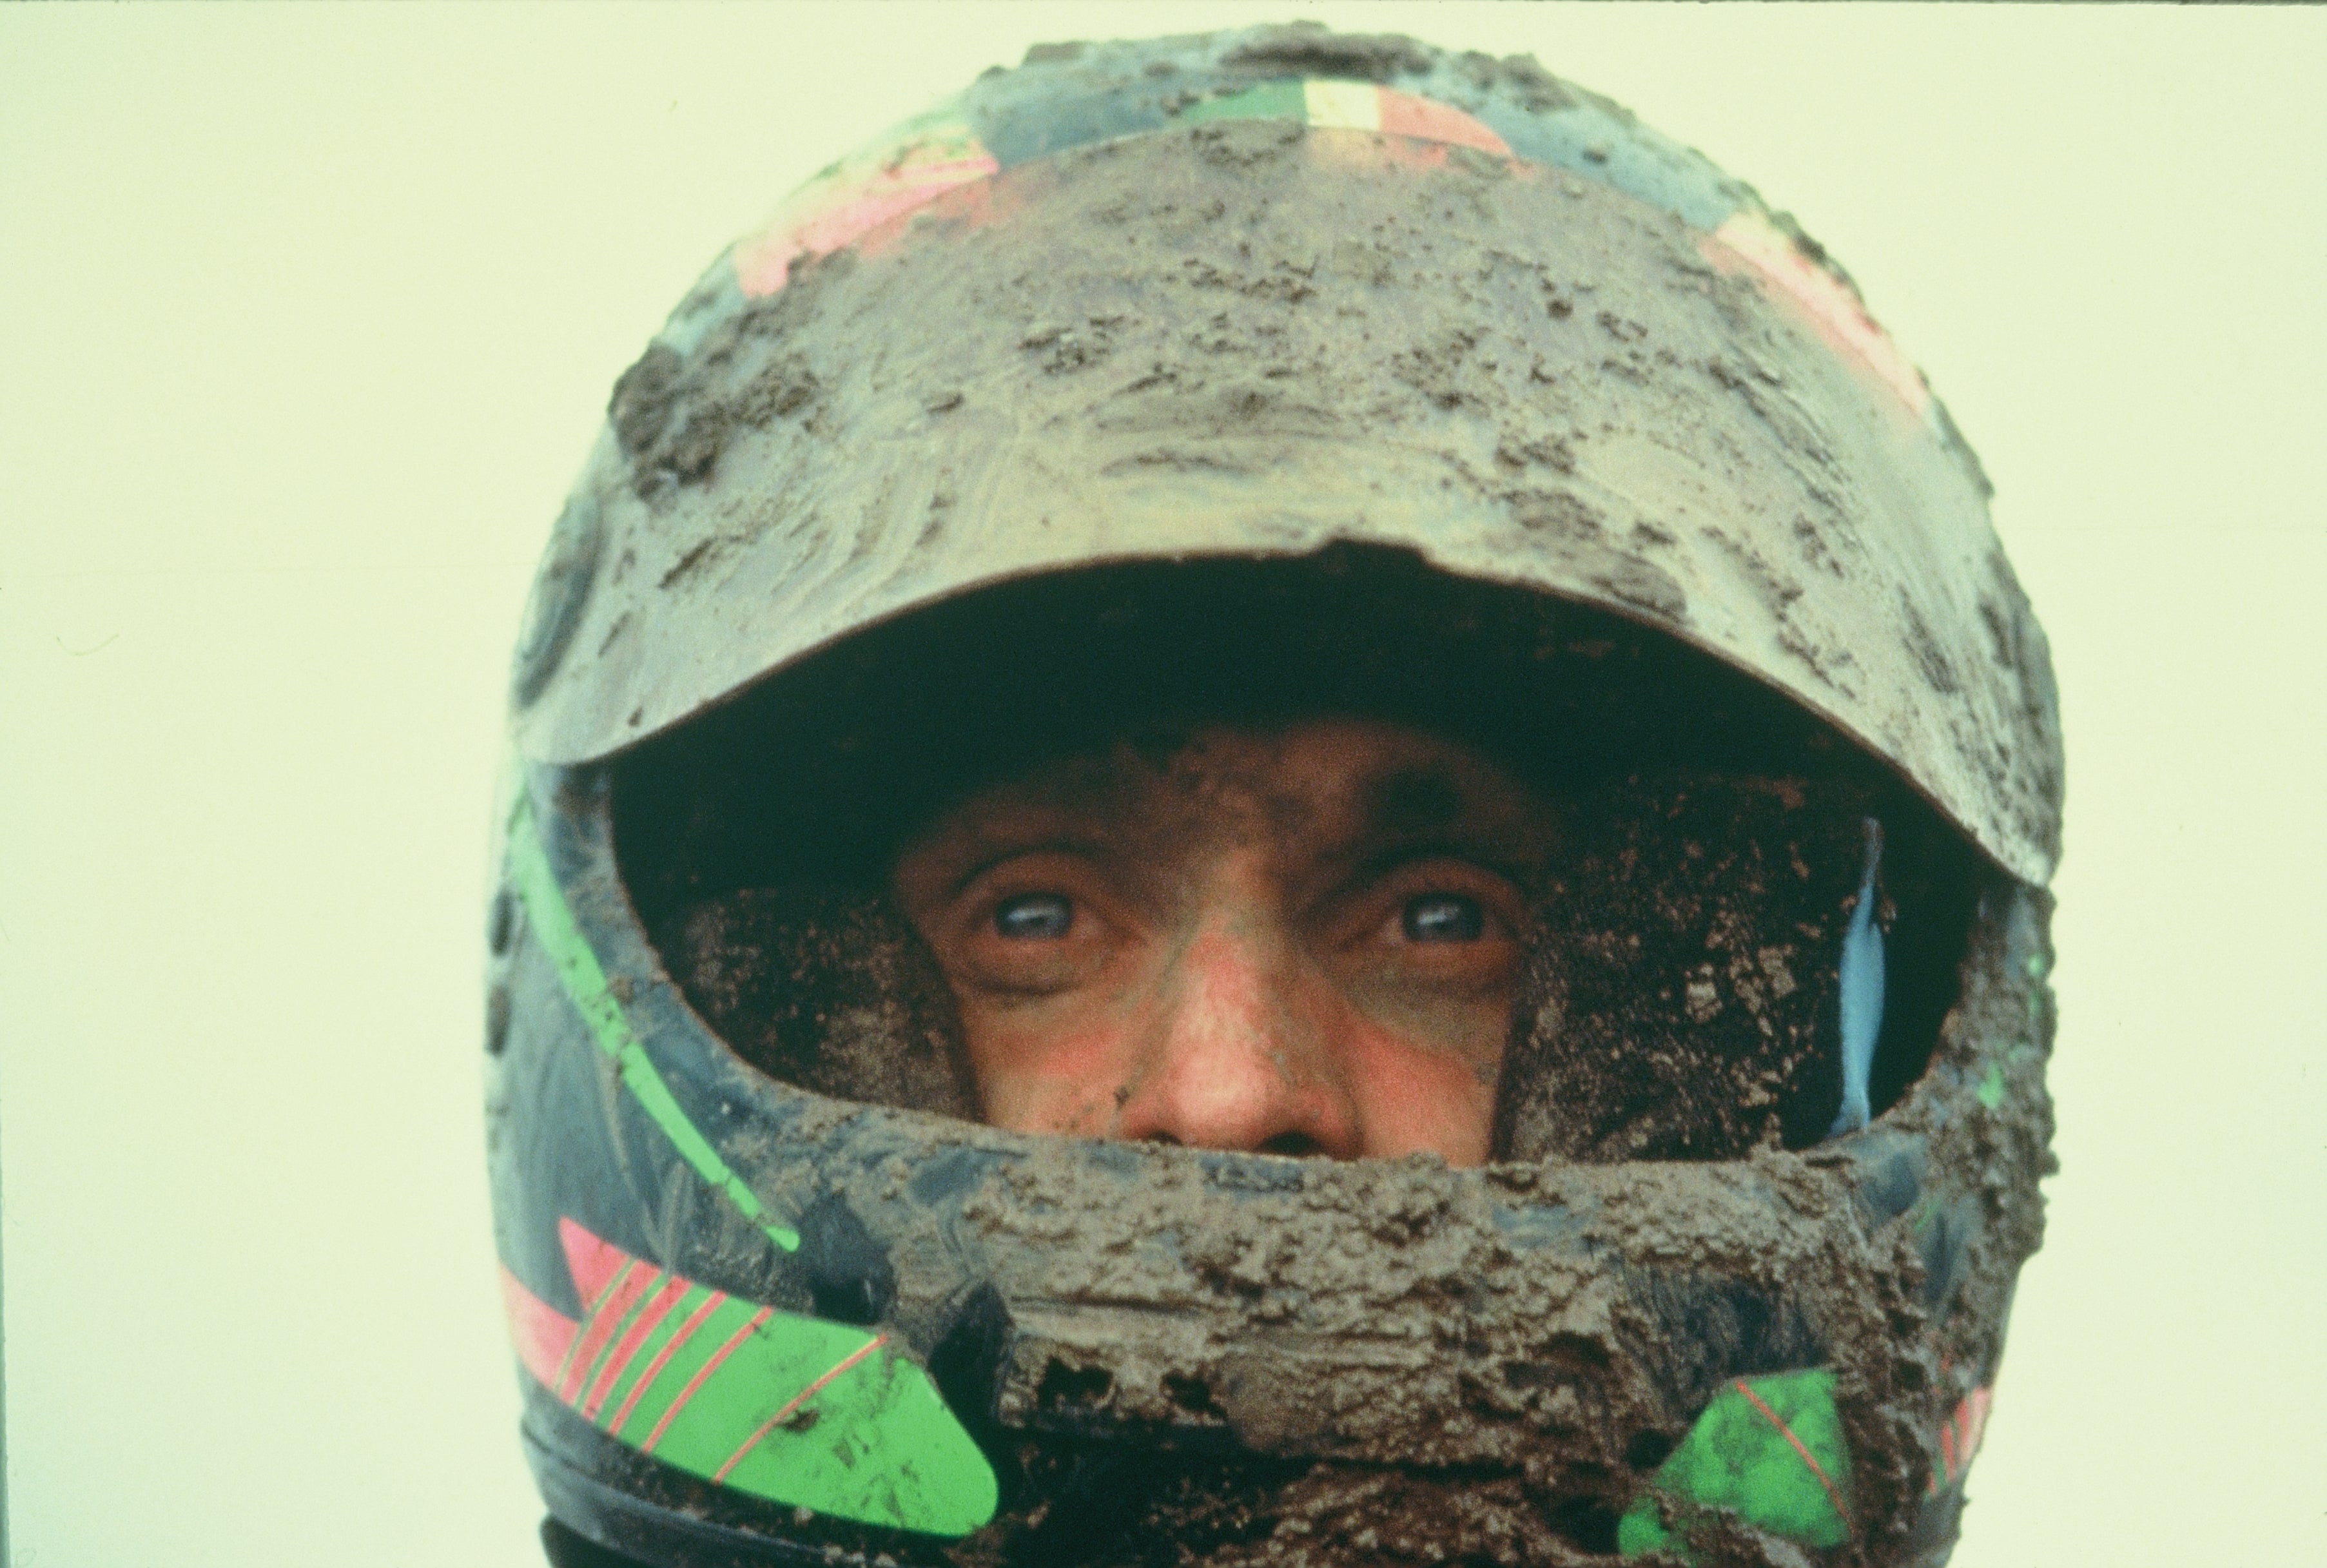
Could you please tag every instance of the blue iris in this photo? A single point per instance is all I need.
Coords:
(1033, 916)
(1444, 918)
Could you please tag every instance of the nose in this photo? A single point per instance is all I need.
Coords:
(1238, 1051)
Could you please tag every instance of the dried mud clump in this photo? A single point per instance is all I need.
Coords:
(832, 994)
(673, 413)
(1310, 51)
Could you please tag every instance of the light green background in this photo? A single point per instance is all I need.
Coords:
(306, 317)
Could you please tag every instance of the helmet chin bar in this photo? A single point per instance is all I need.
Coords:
(1528, 1352)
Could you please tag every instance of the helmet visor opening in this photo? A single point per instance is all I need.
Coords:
(1682, 994)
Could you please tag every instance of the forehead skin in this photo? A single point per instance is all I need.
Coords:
(1331, 793)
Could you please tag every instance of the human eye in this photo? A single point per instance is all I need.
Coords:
(1033, 923)
(1424, 928)
(1034, 917)
(1444, 905)
(1443, 917)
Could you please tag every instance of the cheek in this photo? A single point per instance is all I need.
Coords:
(1426, 1084)
(1050, 1065)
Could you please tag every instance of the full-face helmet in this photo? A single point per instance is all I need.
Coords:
(1258, 372)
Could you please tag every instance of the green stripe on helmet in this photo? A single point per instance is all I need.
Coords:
(826, 1416)
(1769, 1449)
(648, 1368)
(790, 1409)
(585, 984)
(1271, 100)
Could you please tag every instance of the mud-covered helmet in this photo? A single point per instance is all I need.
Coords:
(1275, 367)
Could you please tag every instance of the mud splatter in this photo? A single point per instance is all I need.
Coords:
(835, 995)
(1306, 48)
(673, 415)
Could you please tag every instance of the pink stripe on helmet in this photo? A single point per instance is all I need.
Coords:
(1404, 114)
(541, 1332)
(627, 1348)
(1770, 255)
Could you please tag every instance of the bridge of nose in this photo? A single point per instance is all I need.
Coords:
(1238, 1056)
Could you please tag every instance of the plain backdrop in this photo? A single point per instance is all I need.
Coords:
(307, 315)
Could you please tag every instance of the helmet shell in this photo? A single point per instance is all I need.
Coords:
(1096, 312)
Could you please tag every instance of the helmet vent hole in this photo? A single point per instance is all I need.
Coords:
(500, 922)
(849, 1276)
(497, 1020)
(1647, 1450)
(1192, 1393)
(968, 1362)
(1588, 1523)
(1064, 1384)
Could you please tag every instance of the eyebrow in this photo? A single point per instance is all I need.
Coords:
(1415, 811)
(982, 850)
(1415, 798)
(1377, 856)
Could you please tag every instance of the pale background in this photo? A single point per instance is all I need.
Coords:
(306, 318)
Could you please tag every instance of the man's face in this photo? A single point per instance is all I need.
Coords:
(1299, 940)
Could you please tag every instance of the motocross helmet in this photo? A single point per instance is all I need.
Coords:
(1272, 372)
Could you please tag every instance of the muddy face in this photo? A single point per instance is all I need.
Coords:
(1301, 940)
